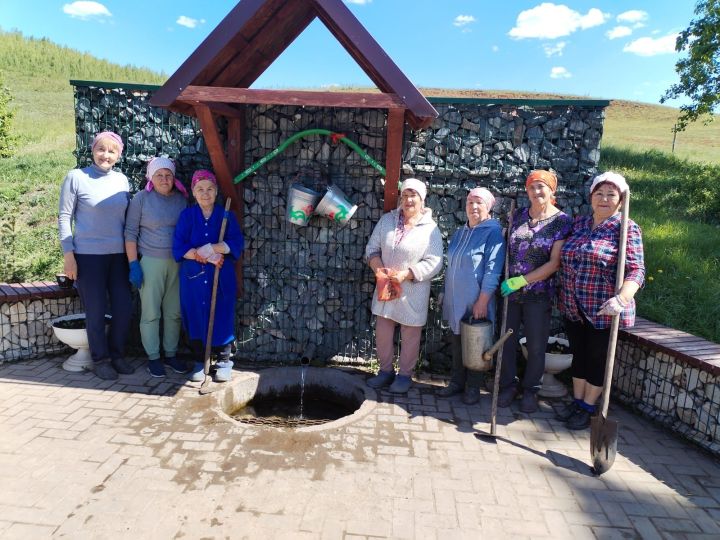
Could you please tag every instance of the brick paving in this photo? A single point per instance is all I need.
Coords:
(149, 458)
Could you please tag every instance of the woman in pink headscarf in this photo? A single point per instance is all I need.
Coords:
(475, 261)
(197, 248)
(149, 229)
(405, 248)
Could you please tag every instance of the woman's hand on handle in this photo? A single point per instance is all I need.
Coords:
(480, 307)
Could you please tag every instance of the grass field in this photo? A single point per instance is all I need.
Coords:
(676, 197)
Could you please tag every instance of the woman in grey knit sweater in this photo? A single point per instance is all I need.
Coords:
(91, 220)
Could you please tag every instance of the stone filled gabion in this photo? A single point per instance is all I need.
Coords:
(683, 397)
(25, 330)
(308, 288)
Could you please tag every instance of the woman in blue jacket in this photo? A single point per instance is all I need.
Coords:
(475, 262)
(196, 247)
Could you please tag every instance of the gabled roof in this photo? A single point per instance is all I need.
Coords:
(254, 34)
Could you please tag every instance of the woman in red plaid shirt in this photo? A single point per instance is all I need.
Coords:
(587, 291)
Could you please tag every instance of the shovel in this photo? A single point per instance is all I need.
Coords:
(604, 432)
(205, 386)
(483, 435)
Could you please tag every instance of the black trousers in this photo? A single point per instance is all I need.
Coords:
(224, 352)
(102, 278)
(534, 315)
(589, 349)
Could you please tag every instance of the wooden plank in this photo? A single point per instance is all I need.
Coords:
(393, 156)
(7, 293)
(363, 48)
(209, 53)
(211, 94)
(20, 292)
(269, 41)
(235, 150)
(217, 154)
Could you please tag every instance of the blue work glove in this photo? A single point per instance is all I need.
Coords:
(136, 274)
(512, 284)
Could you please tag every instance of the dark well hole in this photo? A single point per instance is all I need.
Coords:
(320, 406)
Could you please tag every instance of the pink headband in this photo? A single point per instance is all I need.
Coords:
(202, 174)
(155, 165)
(484, 195)
(114, 137)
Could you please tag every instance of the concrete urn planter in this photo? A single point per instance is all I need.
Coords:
(554, 364)
(75, 338)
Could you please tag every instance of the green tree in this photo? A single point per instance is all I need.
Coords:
(6, 116)
(699, 71)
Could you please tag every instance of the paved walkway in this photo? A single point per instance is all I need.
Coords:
(146, 458)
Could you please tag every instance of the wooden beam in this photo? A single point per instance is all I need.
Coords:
(211, 94)
(235, 152)
(216, 108)
(393, 156)
(217, 156)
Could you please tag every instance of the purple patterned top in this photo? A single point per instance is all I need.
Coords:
(530, 248)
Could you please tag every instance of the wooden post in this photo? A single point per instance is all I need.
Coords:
(393, 156)
(235, 151)
(220, 164)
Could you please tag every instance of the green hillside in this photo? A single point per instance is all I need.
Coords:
(676, 198)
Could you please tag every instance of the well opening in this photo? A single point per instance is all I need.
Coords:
(327, 398)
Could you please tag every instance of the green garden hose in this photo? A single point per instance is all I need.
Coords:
(308, 132)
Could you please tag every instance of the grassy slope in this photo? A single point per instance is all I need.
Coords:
(37, 73)
(682, 252)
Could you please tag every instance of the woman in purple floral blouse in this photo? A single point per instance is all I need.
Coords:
(588, 300)
(536, 239)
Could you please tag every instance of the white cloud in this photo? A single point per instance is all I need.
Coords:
(189, 22)
(651, 47)
(550, 21)
(618, 32)
(495, 48)
(632, 16)
(556, 49)
(359, 2)
(559, 73)
(86, 10)
(462, 20)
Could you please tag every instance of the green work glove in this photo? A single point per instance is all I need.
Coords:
(512, 284)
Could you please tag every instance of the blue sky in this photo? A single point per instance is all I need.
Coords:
(605, 49)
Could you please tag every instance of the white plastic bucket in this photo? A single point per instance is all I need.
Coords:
(336, 206)
(301, 203)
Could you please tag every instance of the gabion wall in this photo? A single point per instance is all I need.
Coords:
(665, 389)
(307, 290)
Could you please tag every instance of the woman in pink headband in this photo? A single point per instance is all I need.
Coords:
(475, 259)
(149, 229)
(197, 248)
(94, 200)
(405, 249)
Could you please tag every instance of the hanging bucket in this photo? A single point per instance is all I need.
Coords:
(336, 206)
(301, 202)
(476, 337)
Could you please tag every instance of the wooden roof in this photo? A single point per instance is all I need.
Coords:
(254, 34)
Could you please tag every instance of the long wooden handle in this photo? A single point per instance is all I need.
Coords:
(498, 362)
(615, 325)
(213, 298)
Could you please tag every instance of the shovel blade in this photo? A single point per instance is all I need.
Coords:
(603, 443)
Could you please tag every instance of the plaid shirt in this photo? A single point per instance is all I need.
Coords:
(588, 269)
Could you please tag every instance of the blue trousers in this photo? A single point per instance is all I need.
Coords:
(102, 278)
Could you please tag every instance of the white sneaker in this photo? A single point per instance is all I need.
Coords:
(224, 371)
(198, 372)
